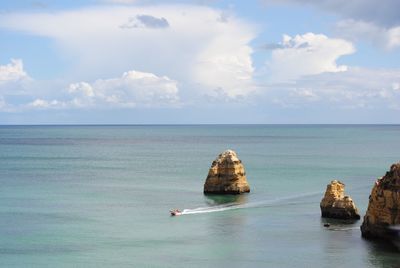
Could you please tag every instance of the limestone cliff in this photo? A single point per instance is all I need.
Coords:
(383, 211)
(336, 205)
(226, 175)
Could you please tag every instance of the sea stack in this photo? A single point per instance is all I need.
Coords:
(226, 175)
(336, 205)
(383, 214)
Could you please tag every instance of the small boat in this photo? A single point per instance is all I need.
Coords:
(175, 212)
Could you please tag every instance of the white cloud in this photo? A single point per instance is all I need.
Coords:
(225, 63)
(396, 86)
(305, 93)
(12, 72)
(82, 87)
(132, 89)
(355, 88)
(307, 54)
(393, 37)
(388, 38)
(44, 104)
(196, 48)
(14, 81)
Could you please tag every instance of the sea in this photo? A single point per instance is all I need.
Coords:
(100, 195)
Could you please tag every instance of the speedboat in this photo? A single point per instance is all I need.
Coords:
(175, 212)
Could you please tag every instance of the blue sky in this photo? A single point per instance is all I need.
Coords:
(180, 62)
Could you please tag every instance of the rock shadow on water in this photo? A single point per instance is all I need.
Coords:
(392, 244)
(217, 199)
(332, 224)
(382, 254)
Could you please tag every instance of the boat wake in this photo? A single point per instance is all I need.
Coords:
(267, 203)
(285, 201)
(344, 229)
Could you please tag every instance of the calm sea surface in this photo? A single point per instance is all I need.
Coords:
(98, 196)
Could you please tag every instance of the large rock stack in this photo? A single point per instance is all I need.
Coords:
(336, 205)
(226, 175)
(383, 214)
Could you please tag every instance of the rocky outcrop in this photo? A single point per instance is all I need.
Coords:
(336, 205)
(226, 175)
(383, 213)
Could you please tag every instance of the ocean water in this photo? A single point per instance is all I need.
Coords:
(98, 196)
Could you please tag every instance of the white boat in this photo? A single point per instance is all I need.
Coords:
(175, 212)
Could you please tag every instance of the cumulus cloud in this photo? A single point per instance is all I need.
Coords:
(132, 89)
(82, 87)
(226, 66)
(197, 49)
(12, 72)
(145, 21)
(307, 54)
(14, 81)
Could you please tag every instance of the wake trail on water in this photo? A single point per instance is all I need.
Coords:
(289, 200)
(259, 204)
(344, 228)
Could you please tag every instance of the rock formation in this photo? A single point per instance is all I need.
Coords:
(383, 213)
(226, 175)
(336, 205)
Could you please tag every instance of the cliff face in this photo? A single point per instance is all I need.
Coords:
(384, 206)
(336, 205)
(226, 175)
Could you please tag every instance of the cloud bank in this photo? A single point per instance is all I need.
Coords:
(195, 60)
(132, 89)
(187, 43)
(355, 88)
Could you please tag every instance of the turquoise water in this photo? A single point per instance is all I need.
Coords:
(98, 196)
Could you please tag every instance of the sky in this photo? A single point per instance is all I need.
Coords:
(200, 62)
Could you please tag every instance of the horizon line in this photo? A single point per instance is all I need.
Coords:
(211, 124)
